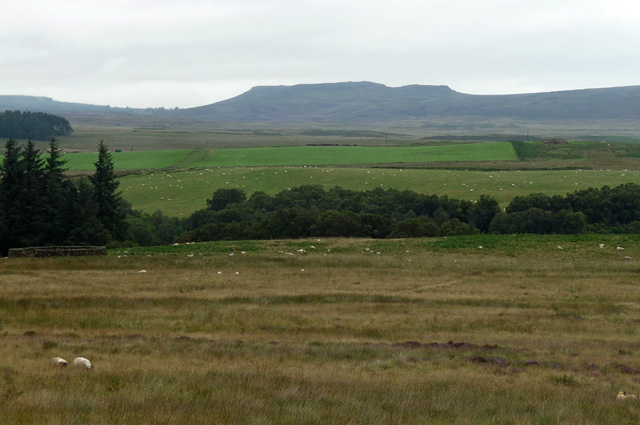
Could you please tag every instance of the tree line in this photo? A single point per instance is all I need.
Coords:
(313, 211)
(32, 125)
(40, 206)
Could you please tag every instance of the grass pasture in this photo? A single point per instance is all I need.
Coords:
(341, 331)
(355, 155)
(194, 175)
(127, 137)
(183, 192)
(298, 155)
(128, 160)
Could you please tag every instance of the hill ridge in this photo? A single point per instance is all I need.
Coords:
(366, 103)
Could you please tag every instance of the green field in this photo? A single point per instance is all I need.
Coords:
(180, 193)
(348, 155)
(300, 155)
(128, 160)
(178, 181)
(460, 330)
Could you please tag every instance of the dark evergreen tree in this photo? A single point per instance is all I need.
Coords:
(35, 125)
(55, 163)
(10, 188)
(32, 204)
(56, 195)
(82, 226)
(110, 206)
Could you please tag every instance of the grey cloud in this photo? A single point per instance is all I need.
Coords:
(190, 52)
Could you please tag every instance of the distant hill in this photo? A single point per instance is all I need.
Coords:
(375, 103)
(363, 104)
(46, 104)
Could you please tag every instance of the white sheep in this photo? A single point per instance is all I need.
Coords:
(58, 362)
(623, 396)
(81, 362)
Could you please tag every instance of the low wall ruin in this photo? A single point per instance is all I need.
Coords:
(58, 251)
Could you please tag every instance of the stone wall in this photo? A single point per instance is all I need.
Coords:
(58, 251)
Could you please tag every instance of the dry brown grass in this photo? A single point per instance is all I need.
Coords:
(543, 335)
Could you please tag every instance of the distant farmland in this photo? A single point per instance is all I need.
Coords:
(302, 155)
(183, 192)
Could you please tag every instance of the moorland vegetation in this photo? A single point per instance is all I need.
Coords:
(478, 329)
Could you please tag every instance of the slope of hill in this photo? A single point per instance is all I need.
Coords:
(47, 104)
(374, 103)
(366, 104)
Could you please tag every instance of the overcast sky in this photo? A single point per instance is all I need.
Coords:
(152, 53)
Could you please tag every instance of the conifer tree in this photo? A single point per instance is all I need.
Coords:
(56, 196)
(12, 171)
(82, 226)
(31, 203)
(111, 211)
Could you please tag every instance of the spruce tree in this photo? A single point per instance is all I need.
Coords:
(32, 204)
(12, 172)
(56, 196)
(82, 226)
(111, 211)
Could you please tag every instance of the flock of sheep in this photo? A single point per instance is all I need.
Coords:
(77, 362)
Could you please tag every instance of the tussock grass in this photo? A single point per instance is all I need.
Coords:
(539, 335)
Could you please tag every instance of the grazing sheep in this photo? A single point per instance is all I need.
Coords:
(619, 248)
(626, 257)
(623, 396)
(58, 362)
(82, 362)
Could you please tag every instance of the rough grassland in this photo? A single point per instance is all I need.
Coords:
(330, 331)
(182, 192)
